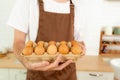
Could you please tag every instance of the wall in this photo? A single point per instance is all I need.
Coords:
(93, 14)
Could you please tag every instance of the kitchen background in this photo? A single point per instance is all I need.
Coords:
(92, 14)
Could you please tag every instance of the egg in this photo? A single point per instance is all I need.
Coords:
(39, 50)
(63, 49)
(76, 49)
(63, 42)
(41, 43)
(52, 49)
(74, 42)
(52, 42)
(27, 51)
(29, 43)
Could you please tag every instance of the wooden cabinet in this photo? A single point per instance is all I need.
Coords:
(20, 74)
(94, 68)
(4, 75)
(109, 44)
(95, 75)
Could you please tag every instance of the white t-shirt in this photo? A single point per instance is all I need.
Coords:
(25, 16)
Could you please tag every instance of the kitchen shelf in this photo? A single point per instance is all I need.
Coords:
(112, 52)
(110, 55)
(112, 35)
(109, 44)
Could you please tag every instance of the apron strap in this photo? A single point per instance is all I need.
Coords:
(72, 15)
(41, 1)
(71, 2)
(41, 5)
(71, 7)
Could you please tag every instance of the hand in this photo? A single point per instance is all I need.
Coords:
(46, 66)
(83, 48)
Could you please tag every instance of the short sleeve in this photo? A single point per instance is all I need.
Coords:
(19, 17)
(79, 34)
(79, 25)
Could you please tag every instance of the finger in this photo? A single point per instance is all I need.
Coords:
(58, 60)
(40, 64)
(84, 49)
(50, 67)
(54, 64)
(46, 68)
(62, 66)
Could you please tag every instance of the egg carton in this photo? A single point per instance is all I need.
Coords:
(51, 58)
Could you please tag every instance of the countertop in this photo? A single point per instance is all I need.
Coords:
(110, 55)
(85, 63)
(93, 63)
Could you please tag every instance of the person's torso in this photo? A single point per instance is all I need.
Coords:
(50, 6)
(55, 27)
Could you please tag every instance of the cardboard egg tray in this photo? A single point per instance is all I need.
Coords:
(50, 57)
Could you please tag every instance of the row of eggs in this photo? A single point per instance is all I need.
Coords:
(52, 48)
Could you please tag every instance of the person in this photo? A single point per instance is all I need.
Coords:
(45, 20)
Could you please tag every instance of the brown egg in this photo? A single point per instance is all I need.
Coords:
(39, 50)
(41, 43)
(74, 42)
(29, 43)
(52, 49)
(63, 42)
(63, 49)
(76, 49)
(52, 42)
(27, 51)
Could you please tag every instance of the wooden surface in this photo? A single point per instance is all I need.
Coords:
(2, 55)
(93, 63)
(85, 63)
(110, 55)
(10, 61)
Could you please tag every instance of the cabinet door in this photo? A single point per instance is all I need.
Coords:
(18, 74)
(4, 74)
(95, 75)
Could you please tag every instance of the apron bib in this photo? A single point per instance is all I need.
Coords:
(55, 27)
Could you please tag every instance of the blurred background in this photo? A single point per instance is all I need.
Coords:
(92, 14)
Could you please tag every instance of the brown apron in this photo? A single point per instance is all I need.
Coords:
(57, 27)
